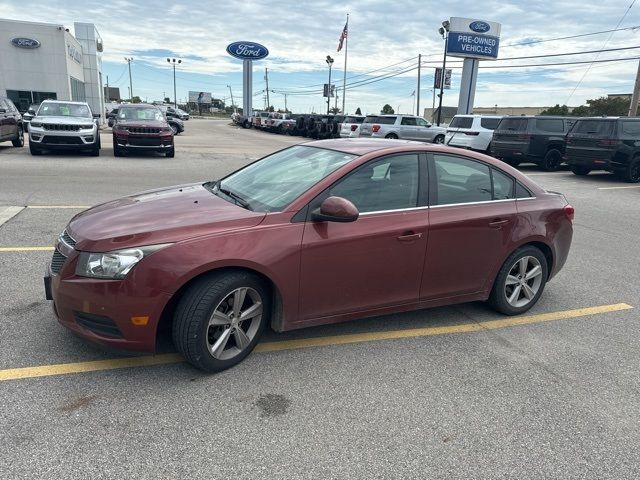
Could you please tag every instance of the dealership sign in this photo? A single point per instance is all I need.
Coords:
(25, 42)
(471, 38)
(247, 50)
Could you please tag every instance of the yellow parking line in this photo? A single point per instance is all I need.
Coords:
(25, 249)
(170, 358)
(618, 188)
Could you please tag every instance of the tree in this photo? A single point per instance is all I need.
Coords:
(610, 106)
(387, 109)
(581, 111)
(557, 110)
(136, 99)
(358, 111)
(167, 100)
(334, 110)
(271, 109)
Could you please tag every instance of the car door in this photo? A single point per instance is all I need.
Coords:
(4, 120)
(471, 219)
(423, 130)
(13, 119)
(408, 129)
(377, 260)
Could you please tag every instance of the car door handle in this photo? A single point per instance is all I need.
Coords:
(409, 237)
(498, 223)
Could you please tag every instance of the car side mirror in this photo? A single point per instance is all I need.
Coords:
(3, 110)
(336, 209)
(31, 111)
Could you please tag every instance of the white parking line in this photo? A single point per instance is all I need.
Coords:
(7, 213)
(618, 188)
(58, 206)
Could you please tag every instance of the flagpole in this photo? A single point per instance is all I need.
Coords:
(344, 77)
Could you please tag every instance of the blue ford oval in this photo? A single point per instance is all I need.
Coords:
(479, 26)
(247, 50)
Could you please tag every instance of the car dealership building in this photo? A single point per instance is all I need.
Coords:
(44, 60)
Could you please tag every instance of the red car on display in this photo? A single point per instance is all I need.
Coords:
(141, 127)
(317, 233)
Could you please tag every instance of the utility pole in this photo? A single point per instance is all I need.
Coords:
(108, 92)
(336, 105)
(633, 108)
(129, 60)
(418, 89)
(175, 96)
(232, 104)
(266, 79)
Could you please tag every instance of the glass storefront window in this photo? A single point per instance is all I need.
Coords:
(24, 98)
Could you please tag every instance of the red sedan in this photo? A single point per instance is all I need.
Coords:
(317, 233)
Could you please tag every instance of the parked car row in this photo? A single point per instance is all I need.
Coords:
(64, 125)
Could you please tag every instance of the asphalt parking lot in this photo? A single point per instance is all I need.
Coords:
(453, 392)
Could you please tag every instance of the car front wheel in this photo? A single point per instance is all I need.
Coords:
(520, 281)
(439, 139)
(220, 319)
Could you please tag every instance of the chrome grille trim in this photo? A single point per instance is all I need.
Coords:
(60, 127)
(67, 239)
(143, 130)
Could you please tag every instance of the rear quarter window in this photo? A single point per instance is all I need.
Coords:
(353, 120)
(553, 125)
(461, 122)
(513, 124)
(630, 129)
(594, 127)
(386, 120)
(489, 123)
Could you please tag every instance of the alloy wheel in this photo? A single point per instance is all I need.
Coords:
(234, 323)
(523, 281)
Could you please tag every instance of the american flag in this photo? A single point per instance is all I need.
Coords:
(343, 35)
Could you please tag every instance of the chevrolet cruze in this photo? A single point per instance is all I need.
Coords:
(317, 233)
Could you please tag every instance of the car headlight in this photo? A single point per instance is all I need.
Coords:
(120, 128)
(35, 124)
(166, 129)
(113, 265)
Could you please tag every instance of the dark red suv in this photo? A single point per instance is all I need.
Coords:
(317, 233)
(142, 127)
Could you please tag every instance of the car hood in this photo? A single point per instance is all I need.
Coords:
(158, 216)
(63, 119)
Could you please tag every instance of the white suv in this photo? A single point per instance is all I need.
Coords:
(351, 126)
(472, 131)
(64, 125)
(404, 127)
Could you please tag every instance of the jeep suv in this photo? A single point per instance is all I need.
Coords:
(62, 125)
(537, 139)
(142, 127)
(10, 123)
(605, 143)
(405, 127)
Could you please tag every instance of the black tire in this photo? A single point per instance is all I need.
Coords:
(510, 161)
(170, 153)
(175, 128)
(439, 139)
(95, 151)
(392, 136)
(498, 298)
(117, 151)
(552, 160)
(578, 170)
(632, 173)
(35, 150)
(19, 140)
(191, 332)
(246, 124)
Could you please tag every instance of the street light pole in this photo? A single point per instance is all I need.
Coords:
(329, 61)
(129, 60)
(232, 104)
(444, 31)
(173, 61)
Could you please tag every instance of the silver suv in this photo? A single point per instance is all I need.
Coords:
(64, 125)
(406, 127)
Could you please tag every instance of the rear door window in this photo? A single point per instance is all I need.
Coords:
(513, 124)
(489, 123)
(386, 120)
(630, 129)
(461, 122)
(408, 121)
(553, 125)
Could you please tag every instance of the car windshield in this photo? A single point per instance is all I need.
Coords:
(140, 113)
(272, 183)
(64, 110)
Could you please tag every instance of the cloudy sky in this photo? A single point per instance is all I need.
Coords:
(384, 38)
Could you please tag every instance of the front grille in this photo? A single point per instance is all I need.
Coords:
(66, 238)
(57, 261)
(57, 140)
(145, 142)
(98, 324)
(60, 127)
(143, 130)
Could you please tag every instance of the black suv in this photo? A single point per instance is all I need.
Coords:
(537, 139)
(10, 123)
(605, 143)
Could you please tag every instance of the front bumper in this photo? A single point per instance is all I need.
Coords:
(158, 143)
(52, 139)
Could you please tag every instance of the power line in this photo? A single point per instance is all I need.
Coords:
(569, 37)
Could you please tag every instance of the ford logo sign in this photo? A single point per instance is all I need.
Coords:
(247, 50)
(25, 42)
(479, 27)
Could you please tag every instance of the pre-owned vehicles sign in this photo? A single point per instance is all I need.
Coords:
(473, 38)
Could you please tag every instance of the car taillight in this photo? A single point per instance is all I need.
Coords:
(472, 133)
(375, 128)
(354, 128)
(608, 142)
(569, 212)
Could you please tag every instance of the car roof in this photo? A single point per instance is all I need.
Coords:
(362, 146)
(135, 105)
(49, 100)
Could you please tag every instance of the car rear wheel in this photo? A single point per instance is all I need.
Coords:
(552, 160)
(632, 174)
(520, 281)
(392, 136)
(19, 140)
(220, 319)
(578, 170)
(439, 139)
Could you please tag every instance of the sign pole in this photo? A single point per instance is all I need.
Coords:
(247, 88)
(444, 66)
(468, 86)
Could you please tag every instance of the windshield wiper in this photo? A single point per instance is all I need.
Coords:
(216, 186)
